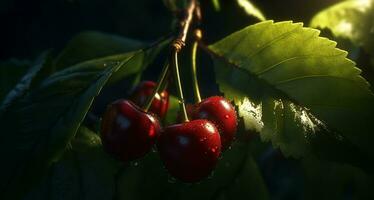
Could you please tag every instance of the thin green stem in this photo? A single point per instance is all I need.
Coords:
(160, 82)
(194, 74)
(182, 104)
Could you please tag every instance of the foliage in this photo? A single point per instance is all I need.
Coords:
(351, 19)
(36, 142)
(296, 90)
(291, 87)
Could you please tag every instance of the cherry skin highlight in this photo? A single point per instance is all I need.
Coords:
(160, 103)
(222, 113)
(190, 150)
(127, 132)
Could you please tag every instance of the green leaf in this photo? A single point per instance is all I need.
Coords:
(10, 73)
(216, 5)
(351, 19)
(327, 180)
(91, 44)
(33, 76)
(173, 110)
(38, 127)
(236, 174)
(85, 171)
(248, 185)
(251, 9)
(289, 84)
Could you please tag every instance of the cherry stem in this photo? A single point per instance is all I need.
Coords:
(177, 46)
(194, 74)
(182, 104)
(160, 82)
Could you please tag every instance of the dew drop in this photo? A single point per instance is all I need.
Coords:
(227, 116)
(135, 164)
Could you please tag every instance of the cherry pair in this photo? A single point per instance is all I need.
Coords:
(189, 150)
(127, 131)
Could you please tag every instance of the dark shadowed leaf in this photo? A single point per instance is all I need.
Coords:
(236, 174)
(40, 70)
(83, 172)
(91, 44)
(328, 180)
(38, 127)
(11, 72)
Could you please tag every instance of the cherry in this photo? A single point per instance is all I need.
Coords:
(128, 132)
(190, 150)
(219, 111)
(160, 103)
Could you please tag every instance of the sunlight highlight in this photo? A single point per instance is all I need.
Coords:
(252, 115)
(344, 27)
(308, 122)
(251, 9)
(363, 5)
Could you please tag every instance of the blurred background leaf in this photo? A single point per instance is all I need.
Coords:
(351, 19)
(11, 72)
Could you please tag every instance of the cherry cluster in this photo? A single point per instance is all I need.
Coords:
(189, 149)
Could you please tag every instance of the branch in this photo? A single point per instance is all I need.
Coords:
(185, 23)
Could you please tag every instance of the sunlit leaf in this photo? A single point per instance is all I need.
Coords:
(351, 19)
(216, 5)
(292, 85)
(251, 9)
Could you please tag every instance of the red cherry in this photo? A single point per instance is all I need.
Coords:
(219, 111)
(190, 150)
(128, 132)
(160, 103)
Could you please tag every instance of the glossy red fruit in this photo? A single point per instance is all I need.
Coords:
(222, 113)
(160, 103)
(128, 132)
(190, 150)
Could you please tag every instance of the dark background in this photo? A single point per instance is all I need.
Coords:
(31, 26)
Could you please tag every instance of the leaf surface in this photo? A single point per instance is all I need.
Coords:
(351, 19)
(292, 85)
(38, 127)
